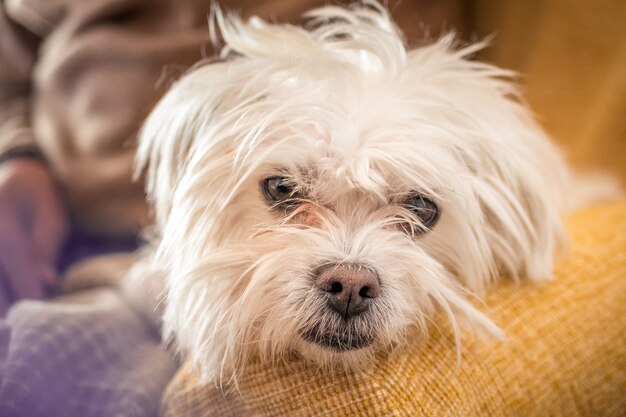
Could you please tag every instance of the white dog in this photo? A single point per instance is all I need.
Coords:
(323, 191)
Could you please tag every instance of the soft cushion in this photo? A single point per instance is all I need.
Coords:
(565, 354)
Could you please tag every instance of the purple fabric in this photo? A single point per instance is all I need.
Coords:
(87, 354)
(80, 245)
(82, 355)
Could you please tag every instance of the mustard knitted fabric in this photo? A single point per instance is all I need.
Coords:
(565, 354)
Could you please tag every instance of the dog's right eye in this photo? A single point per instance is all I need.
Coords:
(424, 209)
(278, 189)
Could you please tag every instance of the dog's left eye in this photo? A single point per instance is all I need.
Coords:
(278, 189)
(424, 209)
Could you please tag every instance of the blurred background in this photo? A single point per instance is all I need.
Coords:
(572, 59)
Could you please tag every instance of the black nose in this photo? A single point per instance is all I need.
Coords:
(350, 287)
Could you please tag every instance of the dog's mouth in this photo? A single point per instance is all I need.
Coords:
(337, 341)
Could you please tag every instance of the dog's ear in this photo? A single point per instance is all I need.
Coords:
(516, 175)
(181, 119)
(520, 192)
(520, 182)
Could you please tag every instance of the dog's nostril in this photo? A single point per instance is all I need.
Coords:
(364, 292)
(335, 287)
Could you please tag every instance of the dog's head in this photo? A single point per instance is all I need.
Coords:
(324, 190)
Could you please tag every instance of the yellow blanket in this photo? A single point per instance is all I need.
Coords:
(566, 353)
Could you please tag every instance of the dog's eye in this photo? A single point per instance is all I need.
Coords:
(278, 189)
(424, 209)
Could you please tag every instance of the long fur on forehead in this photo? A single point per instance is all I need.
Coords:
(357, 56)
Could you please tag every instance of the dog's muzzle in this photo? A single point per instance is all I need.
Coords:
(350, 290)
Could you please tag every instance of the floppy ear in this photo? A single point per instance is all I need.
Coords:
(521, 186)
(516, 174)
(178, 121)
(521, 195)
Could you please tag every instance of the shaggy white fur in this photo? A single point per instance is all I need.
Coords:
(355, 127)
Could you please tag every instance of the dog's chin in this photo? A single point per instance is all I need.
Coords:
(336, 352)
(337, 341)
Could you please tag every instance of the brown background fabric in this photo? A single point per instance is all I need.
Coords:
(572, 59)
(96, 74)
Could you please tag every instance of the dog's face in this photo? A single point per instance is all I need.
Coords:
(324, 191)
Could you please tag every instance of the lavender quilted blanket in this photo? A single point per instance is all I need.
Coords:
(83, 355)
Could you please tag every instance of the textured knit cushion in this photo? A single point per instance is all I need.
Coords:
(565, 356)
